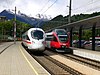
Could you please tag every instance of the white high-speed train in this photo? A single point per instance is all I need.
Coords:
(34, 39)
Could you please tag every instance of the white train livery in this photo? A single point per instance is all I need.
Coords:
(34, 39)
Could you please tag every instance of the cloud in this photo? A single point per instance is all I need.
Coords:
(6, 3)
(35, 7)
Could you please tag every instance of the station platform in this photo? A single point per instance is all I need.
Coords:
(14, 60)
(95, 55)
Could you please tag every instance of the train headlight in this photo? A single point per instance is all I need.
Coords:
(63, 46)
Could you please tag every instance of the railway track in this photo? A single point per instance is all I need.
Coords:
(56, 67)
(85, 61)
(82, 60)
(53, 66)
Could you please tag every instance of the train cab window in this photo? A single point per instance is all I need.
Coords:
(63, 38)
(61, 32)
(27, 37)
(23, 36)
(37, 34)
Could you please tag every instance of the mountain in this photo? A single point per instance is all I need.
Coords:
(23, 18)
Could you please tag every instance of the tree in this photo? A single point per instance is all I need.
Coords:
(87, 34)
(7, 28)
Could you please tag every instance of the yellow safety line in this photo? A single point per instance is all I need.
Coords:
(28, 61)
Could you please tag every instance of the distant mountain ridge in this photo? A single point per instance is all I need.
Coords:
(23, 18)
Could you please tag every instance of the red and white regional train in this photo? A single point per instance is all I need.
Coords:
(34, 39)
(58, 40)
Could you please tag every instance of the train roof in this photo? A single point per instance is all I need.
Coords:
(50, 33)
(57, 31)
(32, 29)
(36, 29)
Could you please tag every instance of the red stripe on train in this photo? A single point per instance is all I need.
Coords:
(27, 42)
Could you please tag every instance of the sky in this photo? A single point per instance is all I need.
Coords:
(51, 8)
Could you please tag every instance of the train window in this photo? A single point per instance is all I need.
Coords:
(49, 37)
(23, 36)
(37, 34)
(27, 37)
(63, 38)
(61, 32)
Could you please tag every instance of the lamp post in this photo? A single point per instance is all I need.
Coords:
(15, 27)
(69, 19)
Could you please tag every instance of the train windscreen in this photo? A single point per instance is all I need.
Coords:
(63, 38)
(61, 32)
(37, 34)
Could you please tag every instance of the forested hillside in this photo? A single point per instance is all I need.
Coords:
(62, 20)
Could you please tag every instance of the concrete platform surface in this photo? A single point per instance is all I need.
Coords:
(16, 61)
(95, 55)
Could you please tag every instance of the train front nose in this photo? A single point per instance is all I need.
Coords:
(39, 45)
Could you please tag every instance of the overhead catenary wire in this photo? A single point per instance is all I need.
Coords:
(47, 9)
(85, 5)
(80, 7)
(50, 6)
(44, 5)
